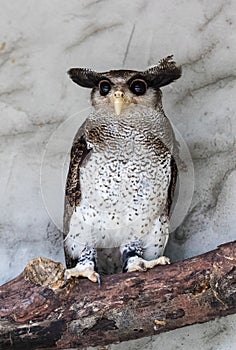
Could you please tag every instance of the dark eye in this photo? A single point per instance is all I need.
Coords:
(104, 87)
(138, 87)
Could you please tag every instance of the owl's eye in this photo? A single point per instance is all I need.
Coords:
(104, 87)
(138, 87)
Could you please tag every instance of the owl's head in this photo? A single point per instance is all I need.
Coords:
(123, 89)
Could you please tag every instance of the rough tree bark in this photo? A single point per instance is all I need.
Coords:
(126, 306)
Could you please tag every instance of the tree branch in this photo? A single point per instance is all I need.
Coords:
(36, 310)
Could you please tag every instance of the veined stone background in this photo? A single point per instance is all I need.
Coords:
(41, 109)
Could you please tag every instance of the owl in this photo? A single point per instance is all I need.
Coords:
(122, 174)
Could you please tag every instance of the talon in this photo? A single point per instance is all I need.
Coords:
(99, 281)
(95, 277)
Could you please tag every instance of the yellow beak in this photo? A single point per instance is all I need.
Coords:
(118, 101)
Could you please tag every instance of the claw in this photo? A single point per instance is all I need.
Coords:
(95, 277)
(99, 280)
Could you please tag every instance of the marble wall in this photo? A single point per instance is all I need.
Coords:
(41, 109)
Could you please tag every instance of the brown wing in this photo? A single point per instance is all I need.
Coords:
(78, 153)
(172, 185)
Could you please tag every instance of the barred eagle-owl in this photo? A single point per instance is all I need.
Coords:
(122, 173)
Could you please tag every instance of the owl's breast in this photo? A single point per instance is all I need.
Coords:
(126, 179)
(124, 189)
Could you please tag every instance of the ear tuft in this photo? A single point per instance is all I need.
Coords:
(164, 73)
(85, 77)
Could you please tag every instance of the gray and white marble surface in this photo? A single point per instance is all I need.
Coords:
(40, 110)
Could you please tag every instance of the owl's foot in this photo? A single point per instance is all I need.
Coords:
(135, 263)
(86, 266)
(132, 255)
(85, 269)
